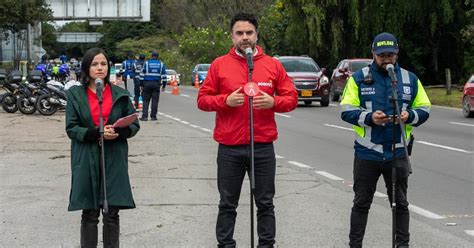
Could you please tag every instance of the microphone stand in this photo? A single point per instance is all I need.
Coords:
(102, 152)
(252, 162)
(396, 107)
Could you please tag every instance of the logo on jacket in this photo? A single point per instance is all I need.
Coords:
(265, 84)
(367, 91)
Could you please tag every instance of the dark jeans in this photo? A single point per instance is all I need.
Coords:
(232, 163)
(136, 92)
(151, 90)
(110, 228)
(366, 175)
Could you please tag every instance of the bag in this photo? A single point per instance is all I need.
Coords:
(410, 144)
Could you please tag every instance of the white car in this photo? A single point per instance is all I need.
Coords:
(172, 75)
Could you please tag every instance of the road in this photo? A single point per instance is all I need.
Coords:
(315, 139)
(173, 176)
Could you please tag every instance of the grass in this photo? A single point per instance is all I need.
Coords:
(438, 97)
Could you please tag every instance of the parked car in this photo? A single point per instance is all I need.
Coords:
(308, 77)
(118, 69)
(342, 73)
(468, 98)
(201, 71)
(172, 75)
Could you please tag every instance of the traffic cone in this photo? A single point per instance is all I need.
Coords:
(196, 81)
(175, 88)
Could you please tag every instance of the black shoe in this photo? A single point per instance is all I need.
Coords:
(153, 118)
(144, 119)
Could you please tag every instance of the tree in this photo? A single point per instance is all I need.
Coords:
(16, 15)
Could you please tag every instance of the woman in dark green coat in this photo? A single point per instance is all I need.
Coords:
(82, 121)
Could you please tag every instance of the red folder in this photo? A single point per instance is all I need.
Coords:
(126, 121)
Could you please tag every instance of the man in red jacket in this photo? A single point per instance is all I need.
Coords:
(222, 91)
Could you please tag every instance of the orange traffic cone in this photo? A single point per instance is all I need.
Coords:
(175, 88)
(196, 81)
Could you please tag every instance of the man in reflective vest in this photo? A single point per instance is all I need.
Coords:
(367, 106)
(154, 75)
(128, 67)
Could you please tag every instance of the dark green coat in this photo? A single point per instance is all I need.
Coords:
(86, 190)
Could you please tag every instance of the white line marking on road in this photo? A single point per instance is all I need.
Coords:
(425, 212)
(469, 232)
(185, 95)
(283, 115)
(329, 175)
(445, 147)
(382, 195)
(185, 122)
(206, 130)
(279, 157)
(344, 128)
(462, 124)
(168, 116)
(299, 164)
(194, 126)
(176, 119)
(334, 105)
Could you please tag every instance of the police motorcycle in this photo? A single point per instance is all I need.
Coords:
(48, 104)
(63, 73)
(30, 91)
(12, 87)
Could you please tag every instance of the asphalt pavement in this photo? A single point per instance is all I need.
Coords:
(173, 175)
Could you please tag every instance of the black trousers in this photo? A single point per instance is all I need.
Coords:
(110, 228)
(136, 91)
(366, 175)
(151, 91)
(232, 163)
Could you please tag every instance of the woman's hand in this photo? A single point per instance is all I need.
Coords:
(109, 133)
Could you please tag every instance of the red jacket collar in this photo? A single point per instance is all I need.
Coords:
(257, 56)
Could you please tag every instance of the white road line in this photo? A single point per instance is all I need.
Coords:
(185, 122)
(279, 157)
(445, 147)
(176, 119)
(206, 130)
(425, 212)
(194, 126)
(168, 116)
(382, 195)
(469, 232)
(334, 105)
(185, 95)
(344, 128)
(283, 115)
(329, 175)
(462, 124)
(299, 164)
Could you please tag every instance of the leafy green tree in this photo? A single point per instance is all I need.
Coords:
(202, 45)
(16, 15)
(49, 39)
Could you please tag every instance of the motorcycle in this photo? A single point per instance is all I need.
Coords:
(48, 104)
(31, 91)
(12, 88)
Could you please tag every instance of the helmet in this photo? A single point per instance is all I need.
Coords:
(142, 56)
(42, 68)
(154, 54)
(64, 69)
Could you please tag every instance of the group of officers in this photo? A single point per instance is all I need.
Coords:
(148, 76)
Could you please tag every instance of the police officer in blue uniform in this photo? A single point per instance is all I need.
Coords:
(128, 67)
(138, 78)
(367, 106)
(154, 76)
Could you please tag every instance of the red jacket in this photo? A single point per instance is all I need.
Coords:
(229, 72)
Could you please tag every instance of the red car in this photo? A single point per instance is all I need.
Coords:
(309, 79)
(468, 98)
(343, 72)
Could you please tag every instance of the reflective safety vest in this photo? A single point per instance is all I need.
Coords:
(128, 68)
(154, 70)
(369, 90)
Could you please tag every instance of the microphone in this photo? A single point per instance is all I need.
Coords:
(391, 72)
(249, 55)
(99, 88)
